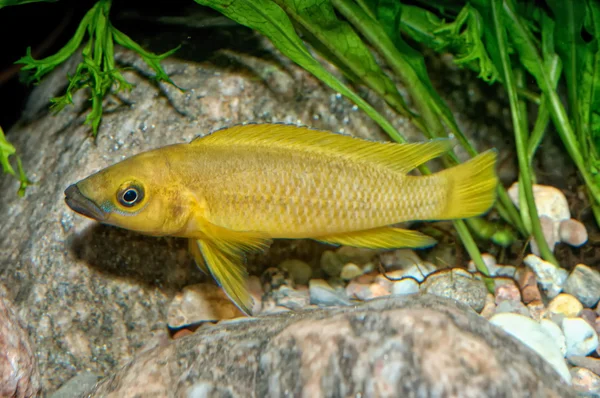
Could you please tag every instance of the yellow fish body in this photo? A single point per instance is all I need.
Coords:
(234, 190)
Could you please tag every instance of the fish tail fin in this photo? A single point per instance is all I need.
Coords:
(472, 188)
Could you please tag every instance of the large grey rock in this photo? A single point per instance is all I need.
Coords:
(91, 296)
(19, 375)
(420, 346)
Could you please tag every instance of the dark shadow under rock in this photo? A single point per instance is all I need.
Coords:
(419, 346)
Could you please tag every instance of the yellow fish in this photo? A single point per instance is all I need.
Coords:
(235, 190)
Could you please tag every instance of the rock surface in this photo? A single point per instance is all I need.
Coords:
(19, 376)
(386, 347)
(93, 295)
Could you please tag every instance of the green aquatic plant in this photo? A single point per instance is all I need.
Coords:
(507, 42)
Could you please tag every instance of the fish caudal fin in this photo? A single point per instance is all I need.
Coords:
(472, 187)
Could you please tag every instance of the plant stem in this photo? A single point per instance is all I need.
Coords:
(520, 134)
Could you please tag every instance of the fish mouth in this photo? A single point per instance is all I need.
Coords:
(82, 205)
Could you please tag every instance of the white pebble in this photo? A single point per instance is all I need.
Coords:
(580, 336)
(550, 277)
(555, 333)
(405, 286)
(531, 333)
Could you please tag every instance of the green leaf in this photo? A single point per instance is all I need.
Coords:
(318, 17)
(269, 19)
(7, 150)
(6, 3)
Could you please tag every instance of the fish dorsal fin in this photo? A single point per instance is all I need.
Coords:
(399, 157)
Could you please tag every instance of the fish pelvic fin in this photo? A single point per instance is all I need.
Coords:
(194, 249)
(472, 185)
(223, 250)
(398, 157)
(380, 238)
(229, 272)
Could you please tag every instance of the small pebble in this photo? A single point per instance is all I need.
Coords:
(182, 333)
(356, 255)
(351, 271)
(549, 201)
(592, 364)
(331, 263)
(529, 287)
(584, 283)
(291, 298)
(550, 277)
(489, 308)
(322, 294)
(555, 332)
(586, 382)
(457, 284)
(537, 310)
(384, 282)
(372, 291)
(399, 259)
(589, 315)
(272, 278)
(515, 307)
(572, 232)
(531, 333)
(405, 286)
(506, 289)
(488, 260)
(299, 270)
(565, 304)
(581, 338)
(417, 271)
(202, 302)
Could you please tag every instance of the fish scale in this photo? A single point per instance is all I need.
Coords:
(297, 194)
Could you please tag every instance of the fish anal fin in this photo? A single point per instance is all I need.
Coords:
(380, 238)
(399, 157)
(229, 272)
(231, 241)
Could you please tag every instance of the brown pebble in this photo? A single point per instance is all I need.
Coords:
(529, 288)
(366, 278)
(354, 288)
(507, 291)
(372, 291)
(572, 232)
(384, 282)
(182, 333)
(589, 315)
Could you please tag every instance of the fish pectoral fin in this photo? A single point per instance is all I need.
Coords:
(194, 249)
(380, 238)
(227, 267)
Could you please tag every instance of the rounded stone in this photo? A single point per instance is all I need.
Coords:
(350, 271)
(459, 285)
(581, 338)
(572, 232)
(299, 270)
(405, 286)
(565, 304)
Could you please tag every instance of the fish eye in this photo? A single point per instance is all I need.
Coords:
(130, 196)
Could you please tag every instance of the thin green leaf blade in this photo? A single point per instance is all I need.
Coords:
(270, 20)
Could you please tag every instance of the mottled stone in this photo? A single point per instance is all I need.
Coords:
(506, 289)
(550, 277)
(586, 382)
(566, 305)
(535, 337)
(592, 364)
(489, 308)
(202, 302)
(19, 375)
(299, 270)
(321, 293)
(391, 346)
(584, 283)
(459, 285)
(537, 310)
(77, 386)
